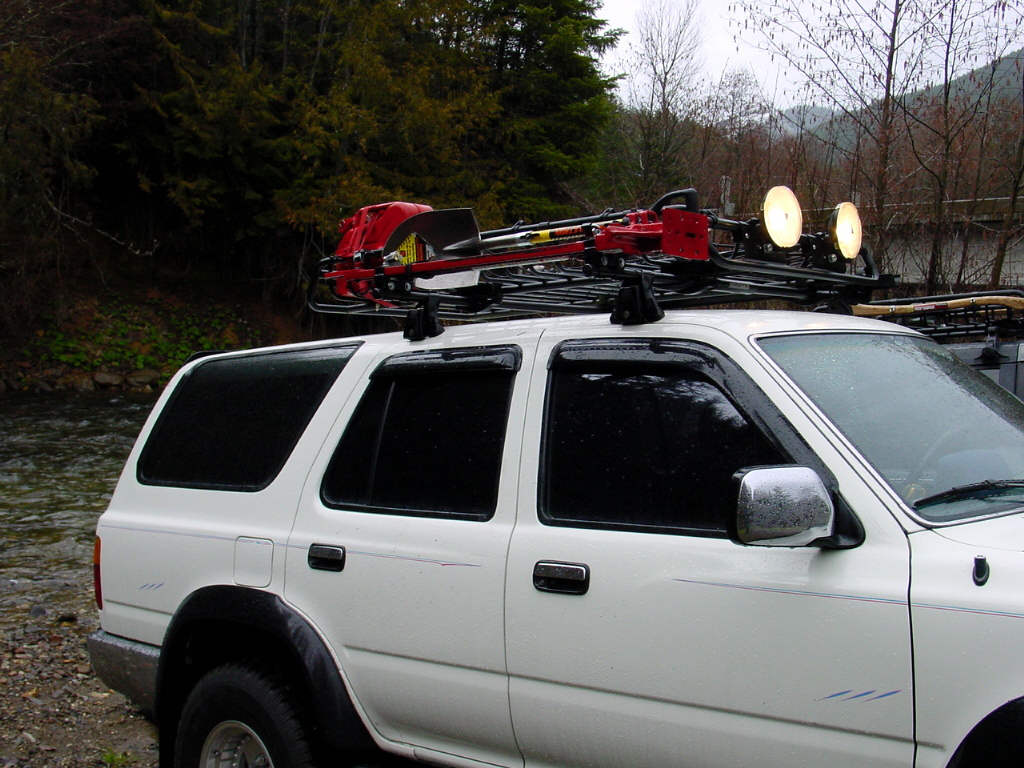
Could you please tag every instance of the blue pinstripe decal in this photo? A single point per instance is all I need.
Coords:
(959, 609)
(798, 592)
(885, 695)
(409, 558)
(856, 598)
(168, 532)
(859, 695)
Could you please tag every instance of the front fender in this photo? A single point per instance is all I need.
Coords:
(967, 638)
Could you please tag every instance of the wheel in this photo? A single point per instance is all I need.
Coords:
(996, 742)
(240, 717)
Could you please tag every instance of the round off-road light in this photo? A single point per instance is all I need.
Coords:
(781, 217)
(845, 229)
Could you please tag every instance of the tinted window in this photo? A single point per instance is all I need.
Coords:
(642, 449)
(427, 437)
(232, 423)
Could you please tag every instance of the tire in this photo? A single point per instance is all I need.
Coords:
(236, 712)
(996, 742)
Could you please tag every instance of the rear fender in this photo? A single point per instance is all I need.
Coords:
(222, 624)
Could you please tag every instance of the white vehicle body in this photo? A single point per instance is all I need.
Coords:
(683, 650)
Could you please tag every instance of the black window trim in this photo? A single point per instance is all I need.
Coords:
(502, 357)
(704, 362)
(491, 358)
(179, 388)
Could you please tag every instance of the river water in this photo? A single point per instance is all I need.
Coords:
(60, 457)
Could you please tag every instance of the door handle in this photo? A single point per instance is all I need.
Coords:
(326, 557)
(561, 578)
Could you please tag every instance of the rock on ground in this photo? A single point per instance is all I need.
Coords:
(54, 712)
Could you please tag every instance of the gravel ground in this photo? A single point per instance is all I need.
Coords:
(54, 712)
(53, 709)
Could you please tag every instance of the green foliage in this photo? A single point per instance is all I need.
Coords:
(292, 114)
(40, 130)
(299, 115)
(146, 333)
(554, 98)
(406, 118)
(113, 759)
(236, 133)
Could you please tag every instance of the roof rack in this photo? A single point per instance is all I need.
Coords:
(399, 258)
(983, 313)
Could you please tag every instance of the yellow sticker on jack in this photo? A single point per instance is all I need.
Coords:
(411, 250)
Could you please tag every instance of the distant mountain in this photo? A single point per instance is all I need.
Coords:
(803, 118)
(830, 125)
(1005, 84)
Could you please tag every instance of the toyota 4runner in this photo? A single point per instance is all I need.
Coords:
(724, 539)
(693, 538)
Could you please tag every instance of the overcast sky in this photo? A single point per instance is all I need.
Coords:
(718, 49)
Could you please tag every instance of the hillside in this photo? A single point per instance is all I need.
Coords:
(831, 125)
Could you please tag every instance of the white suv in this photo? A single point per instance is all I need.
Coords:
(728, 538)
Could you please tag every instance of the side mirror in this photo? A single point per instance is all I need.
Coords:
(784, 506)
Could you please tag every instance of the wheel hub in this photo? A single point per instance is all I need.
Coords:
(233, 744)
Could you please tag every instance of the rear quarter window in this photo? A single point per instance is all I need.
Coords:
(232, 422)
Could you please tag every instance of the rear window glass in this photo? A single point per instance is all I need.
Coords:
(232, 422)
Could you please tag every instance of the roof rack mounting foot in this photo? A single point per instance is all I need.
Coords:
(836, 305)
(423, 321)
(635, 303)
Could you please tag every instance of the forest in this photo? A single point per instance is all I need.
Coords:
(219, 142)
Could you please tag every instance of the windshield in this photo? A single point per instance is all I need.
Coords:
(926, 422)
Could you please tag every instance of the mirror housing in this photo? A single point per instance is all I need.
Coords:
(782, 506)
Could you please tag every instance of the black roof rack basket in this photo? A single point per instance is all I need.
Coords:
(634, 264)
(575, 288)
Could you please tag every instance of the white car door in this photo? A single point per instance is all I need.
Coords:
(398, 551)
(638, 632)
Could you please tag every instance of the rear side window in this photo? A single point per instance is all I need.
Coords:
(642, 440)
(232, 423)
(427, 437)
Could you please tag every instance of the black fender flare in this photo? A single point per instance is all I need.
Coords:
(264, 614)
(996, 742)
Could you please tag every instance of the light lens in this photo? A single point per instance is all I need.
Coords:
(782, 219)
(845, 228)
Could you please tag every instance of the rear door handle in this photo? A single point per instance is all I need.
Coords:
(326, 557)
(561, 578)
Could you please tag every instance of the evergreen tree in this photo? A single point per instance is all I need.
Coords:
(555, 101)
(236, 133)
